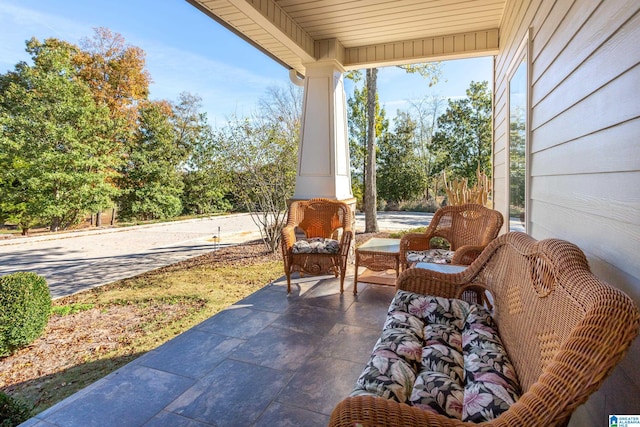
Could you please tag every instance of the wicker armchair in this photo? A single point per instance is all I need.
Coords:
(317, 218)
(563, 328)
(468, 228)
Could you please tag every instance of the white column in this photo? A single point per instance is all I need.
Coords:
(323, 153)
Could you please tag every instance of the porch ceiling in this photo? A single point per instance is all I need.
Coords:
(362, 33)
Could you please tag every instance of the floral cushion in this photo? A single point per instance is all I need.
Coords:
(442, 355)
(395, 359)
(437, 256)
(316, 245)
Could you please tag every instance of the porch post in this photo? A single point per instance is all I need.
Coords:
(323, 153)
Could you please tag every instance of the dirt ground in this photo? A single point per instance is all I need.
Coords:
(84, 337)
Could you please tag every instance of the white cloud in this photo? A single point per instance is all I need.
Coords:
(174, 71)
(19, 24)
(224, 88)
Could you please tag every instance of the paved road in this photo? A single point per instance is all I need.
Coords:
(72, 262)
(75, 261)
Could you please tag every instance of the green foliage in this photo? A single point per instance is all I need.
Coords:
(362, 143)
(400, 175)
(399, 234)
(357, 121)
(463, 140)
(25, 305)
(517, 161)
(357, 188)
(206, 182)
(203, 192)
(190, 125)
(12, 411)
(151, 180)
(430, 205)
(56, 162)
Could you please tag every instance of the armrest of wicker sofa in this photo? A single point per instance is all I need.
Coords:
(466, 254)
(369, 411)
(428, 282)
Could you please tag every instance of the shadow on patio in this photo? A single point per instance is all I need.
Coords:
(268, 360)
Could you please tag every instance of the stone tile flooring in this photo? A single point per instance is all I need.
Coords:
(269, 360)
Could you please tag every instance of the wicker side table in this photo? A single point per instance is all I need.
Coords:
(379, 255)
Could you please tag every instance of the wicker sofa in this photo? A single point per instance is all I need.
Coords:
(563, 329)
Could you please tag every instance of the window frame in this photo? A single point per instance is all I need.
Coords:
(521, 57)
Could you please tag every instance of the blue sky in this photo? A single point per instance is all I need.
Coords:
(187, 51)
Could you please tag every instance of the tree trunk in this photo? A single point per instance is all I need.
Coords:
(98, 219)
(370, 200)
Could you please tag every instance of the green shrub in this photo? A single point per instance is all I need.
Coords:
(12, 411)
(25, 305)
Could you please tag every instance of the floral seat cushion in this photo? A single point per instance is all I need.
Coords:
(442, 355)
(316, 245)
(437, 256)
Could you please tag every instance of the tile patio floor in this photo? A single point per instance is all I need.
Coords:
(269, 360)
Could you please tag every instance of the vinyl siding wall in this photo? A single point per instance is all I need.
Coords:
(584, 148)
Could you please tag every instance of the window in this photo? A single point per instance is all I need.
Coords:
(518, 140)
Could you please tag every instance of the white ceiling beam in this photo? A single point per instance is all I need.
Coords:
(269, 16)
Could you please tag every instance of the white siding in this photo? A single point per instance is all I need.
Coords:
(584, 148)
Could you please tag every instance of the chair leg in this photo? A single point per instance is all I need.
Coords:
(342, 269)
(355, 282)
(288, 274)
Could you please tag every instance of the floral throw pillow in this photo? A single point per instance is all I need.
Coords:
(316, 245)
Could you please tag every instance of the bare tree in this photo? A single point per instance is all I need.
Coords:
(283, 105)
(260, 153)
(427, 110)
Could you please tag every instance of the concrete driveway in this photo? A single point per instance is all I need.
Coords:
(72, 262)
